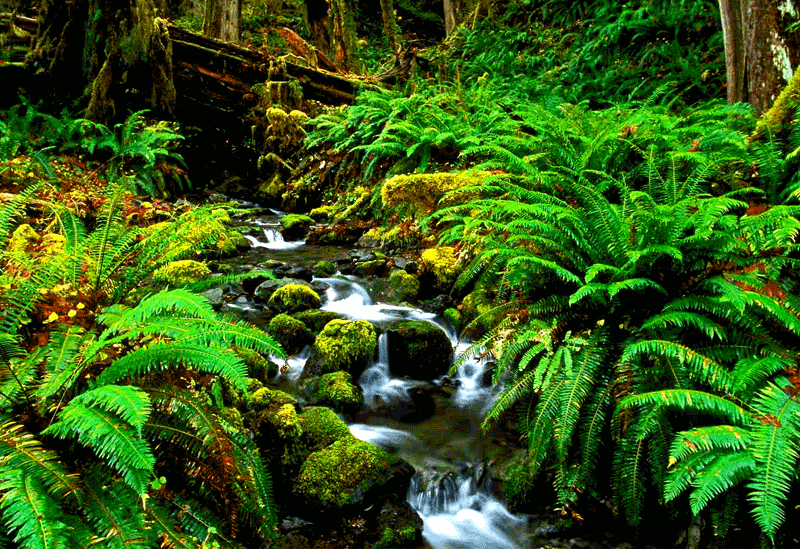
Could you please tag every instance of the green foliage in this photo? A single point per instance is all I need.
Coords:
(612, 287)
(141, 154)
(123, 389)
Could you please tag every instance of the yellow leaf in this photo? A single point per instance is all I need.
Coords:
(52, 318)
(80, 306)
(72, 312)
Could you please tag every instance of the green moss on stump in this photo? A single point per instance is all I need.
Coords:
(294, 224)
(345, 345)
(293, 298)
(181, 273)
(424, 191)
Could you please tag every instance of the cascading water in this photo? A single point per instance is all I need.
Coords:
(447, 449)
(458, 510)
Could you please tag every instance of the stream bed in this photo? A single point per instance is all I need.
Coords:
(452, 489)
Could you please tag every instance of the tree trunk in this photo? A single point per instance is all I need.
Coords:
(345, 41)
(389, 24)
(316, 16)
(114, 54)
(760, 55)
(222, 20)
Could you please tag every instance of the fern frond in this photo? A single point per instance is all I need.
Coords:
(111, 438)
(160, 357)
(720, 476)
(21, 451)
(112, 510)
(700, 366)
(28, 509)
(690, 400)
(775, 449)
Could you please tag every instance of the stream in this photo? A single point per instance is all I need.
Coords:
(452, 489)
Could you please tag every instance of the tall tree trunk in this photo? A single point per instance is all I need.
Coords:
(345, 41)
(389, 24)
(317, 17)
(112, 55)
(222, 20)
(760, 55)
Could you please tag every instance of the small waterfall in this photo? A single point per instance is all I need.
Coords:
(292, 367)
(457, 515)
(377, 383)
(274, 239)
(470, 375)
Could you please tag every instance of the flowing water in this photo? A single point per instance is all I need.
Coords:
(452, 489)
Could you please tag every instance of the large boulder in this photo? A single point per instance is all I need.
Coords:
(338, 391)
(346, 476)
(418, 350)
(293, 298)
(291, 333)
(347, 345)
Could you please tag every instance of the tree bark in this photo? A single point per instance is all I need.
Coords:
(222, 20)
(114, 54)
(345, 41)
(389, 24)
(760, 55)
(317, 18)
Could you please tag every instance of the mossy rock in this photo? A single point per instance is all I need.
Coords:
(423, 192)
(320, 427)
(293, 298)
(295, 226)
(348, 473)
(181, 273)
(259, 367)
(287, 422)
(316, 319)
(337, 391)
(370, 268)
(453, 316)
(347, 345)
(323, 213)
(270, 191)
(22, 238)
(442, 263)
(265, 397)
(405, 286)
(419, 350)
(475, 304)
(324, 269)
(291, 333)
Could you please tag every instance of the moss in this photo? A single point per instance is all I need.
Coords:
(321, 427)
(370, 268)
(443, 263)
(518, 484)
(270, 397)
(423, 192)
(406, 285)
(298, 118)
(287, 422)
(291, 333)
(278, 119)
(344, 343)
(331, 477)
(22, 238)
(475, 304)
(294, 297)
(780, 116)
(363, 195)
(296, 222)
(259, 367)
(181, 273)
(321, 214)
(337, 390)
(230, 242)
(324, 269)
(453, 316)
(316, 319)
